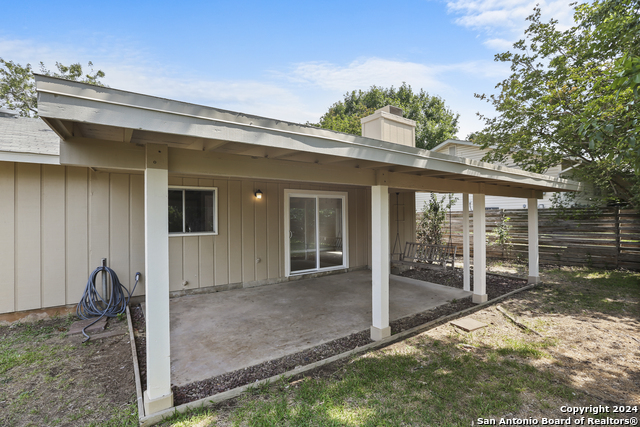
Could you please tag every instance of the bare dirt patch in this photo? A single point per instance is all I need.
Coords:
(50, 378)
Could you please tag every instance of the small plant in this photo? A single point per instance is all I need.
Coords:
(122, 317)
(502, 236)
(431, 220)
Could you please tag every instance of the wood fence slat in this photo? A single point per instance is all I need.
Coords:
(608, 237)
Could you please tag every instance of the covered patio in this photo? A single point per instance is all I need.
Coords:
(221, 332)
(242, 161)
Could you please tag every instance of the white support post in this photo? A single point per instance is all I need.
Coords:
(380, 262)
(534, 274)
(158, 395)
(479, 250)
(466, 259)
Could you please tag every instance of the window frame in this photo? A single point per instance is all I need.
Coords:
(215, 211)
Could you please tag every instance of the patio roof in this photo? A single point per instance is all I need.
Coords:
(108, 128)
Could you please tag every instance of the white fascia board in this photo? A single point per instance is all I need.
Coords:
(66, 100)
(453, 141)
(44, 159)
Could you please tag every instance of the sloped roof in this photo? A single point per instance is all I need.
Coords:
(27, 135)
(93, 121)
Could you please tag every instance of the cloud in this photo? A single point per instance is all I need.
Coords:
(498, 44)
(126, 68)
(505, 20)
(301, 93)
(363, 73)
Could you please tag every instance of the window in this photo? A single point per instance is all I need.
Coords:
(452, 150)
(193, 210)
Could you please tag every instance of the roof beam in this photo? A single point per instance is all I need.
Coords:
(220, 164)
(439, 185)
(62, 129)
(127, 134)
(101, 154)
(212, 145)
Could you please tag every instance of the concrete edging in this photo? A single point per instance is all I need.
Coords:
(230, 394)
(136, 367)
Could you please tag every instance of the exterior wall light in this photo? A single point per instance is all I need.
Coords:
(258, 194)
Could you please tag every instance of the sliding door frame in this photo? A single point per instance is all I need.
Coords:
(288, 193)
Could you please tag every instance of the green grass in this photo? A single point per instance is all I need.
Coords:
(604, 291)
(432, 383)
(444, 382)
(33, 366)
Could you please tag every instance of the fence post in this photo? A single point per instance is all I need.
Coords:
(617, 236)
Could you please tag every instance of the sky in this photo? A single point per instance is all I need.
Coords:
(280, 59)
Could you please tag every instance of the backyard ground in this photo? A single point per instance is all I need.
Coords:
(49, 378)
(582, 348)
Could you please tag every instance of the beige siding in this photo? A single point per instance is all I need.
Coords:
(401, 205)
(58, 222)
(77, 233)
(136, 229)
(476, 153)
(220, 242)
(27, 237)
(7, 241)
(53, 236)
(249, 247)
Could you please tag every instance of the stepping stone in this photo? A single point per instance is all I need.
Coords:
(468, 325)
(76, 327)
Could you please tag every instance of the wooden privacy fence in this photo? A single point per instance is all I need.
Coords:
(604, 238)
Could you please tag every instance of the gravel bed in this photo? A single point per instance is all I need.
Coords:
(496, 286)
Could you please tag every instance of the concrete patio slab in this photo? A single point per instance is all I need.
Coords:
(215, 333)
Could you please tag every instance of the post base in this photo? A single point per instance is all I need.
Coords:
(377, 334)
(479, 299)
(534, 279)
(151, 406)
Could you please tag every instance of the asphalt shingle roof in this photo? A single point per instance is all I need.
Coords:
(26, 135)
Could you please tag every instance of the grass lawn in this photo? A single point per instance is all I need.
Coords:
(580, 347)
(48, 378)
(586, 353)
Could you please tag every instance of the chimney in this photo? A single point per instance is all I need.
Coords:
(388, 125)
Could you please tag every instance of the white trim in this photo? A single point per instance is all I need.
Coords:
(215, 211)
(479, 250)
(380, 261)
(454, 141)
(466, 258)
(317, 194)
(44, 159)
(156, 281)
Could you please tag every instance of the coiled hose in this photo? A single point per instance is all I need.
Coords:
(93, 304)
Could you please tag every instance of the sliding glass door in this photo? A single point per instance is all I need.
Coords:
(316, 227)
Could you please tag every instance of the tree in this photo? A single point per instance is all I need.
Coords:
(18, 88)
(432, 219)
(435, 122)
(570, 97)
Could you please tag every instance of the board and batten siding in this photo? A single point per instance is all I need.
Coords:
(249, 246)
(58, 222)
(402, 206)
(476, 153)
